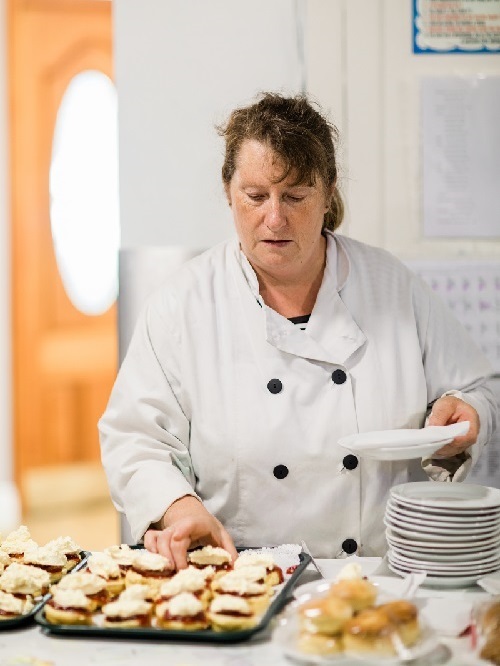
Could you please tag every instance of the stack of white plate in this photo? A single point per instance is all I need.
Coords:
(451, 531)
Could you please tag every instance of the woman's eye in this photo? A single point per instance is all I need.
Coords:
(255, 197)
(294, 198)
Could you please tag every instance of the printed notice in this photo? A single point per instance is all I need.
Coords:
(456, 26)
(460, 143)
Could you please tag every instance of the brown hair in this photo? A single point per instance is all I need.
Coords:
(299, 134)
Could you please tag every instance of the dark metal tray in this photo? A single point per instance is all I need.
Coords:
(28, 618)
(205, 635)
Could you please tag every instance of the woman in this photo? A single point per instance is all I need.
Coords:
(224, 420)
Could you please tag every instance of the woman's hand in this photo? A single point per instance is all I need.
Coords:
(449, 410)
(187, 523)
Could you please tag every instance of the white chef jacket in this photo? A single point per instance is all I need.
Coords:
(194, 410)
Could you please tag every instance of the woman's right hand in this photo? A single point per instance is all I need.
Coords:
(186, 524)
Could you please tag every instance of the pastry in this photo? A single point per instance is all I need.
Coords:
(68, 607)
(104, 566)
(12, 607)
(149, 569)
(48, 559)
(358, 592)
(127, 613)
(93, 587)
(24, 581)
(254, 573)
(142, 592)
(187, 580)
(17, 543)
(230, 613)
(404, 616)
(370, 632)
(4, 561)
(326, 615)
(69, 548)
(255, 594)
(124, 555)
(216, 557)
(274, 573)
(183, 611)
(490, 620)
(491, 650)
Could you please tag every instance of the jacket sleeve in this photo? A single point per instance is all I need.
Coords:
(144, 431)
(454, 365)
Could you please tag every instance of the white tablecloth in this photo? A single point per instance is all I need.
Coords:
(30, 647)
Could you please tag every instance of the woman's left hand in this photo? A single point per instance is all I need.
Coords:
(448, 410)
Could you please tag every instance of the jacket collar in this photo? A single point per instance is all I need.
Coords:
(331, 336)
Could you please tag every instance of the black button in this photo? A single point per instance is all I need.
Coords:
(349, 546)
(350, 461)
(280, 471)
(339, 376)
(274, 385)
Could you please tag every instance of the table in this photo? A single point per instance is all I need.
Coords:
(30, 647)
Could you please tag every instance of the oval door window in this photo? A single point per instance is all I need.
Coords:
(83, 183)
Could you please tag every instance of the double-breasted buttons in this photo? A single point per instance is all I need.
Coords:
(349, 546)
(274, 385)
(280, 471)
(338, 376)
(350, 461)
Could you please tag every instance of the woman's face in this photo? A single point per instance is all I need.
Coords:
(278, 223)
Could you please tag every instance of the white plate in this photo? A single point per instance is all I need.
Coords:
(446, 512)
(432, 556)
(441, 526)
(456, 536)
(438, 568)
(404, 437)
(438, 581)
(454, 547)
(458, 530)
(438, 516)
(286, 633)
(447, 495)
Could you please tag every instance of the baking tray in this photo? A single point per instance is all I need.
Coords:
(205, 635)
(28, 618)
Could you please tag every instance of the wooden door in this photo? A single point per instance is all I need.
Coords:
(64, 362)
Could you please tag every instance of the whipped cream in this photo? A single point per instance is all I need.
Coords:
(209, 555)
(11, 604)
(151, 562)
(232, 582)
(125, 608)
(351, 571)
(4, 558)
(46, 555)
(251, 572)
(104, 566)
(64, 544)
(255, 559)
(138, 591)
(24, 579)
(184, 581)
(184, 604)
(228, 603)
(85, 581)
(123, 554)
(71, 599)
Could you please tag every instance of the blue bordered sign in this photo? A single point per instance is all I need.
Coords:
(456, 26)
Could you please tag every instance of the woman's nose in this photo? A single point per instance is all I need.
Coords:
(275, 217)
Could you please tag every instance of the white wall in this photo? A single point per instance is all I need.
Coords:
(182, 65)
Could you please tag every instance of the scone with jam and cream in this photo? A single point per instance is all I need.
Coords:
(68, 607)
(274, 572)
(124, 555)
(48, 559)
(255, 594)
(149, 569)
(24, 581)
(187, 580)
(183, 611)
(211, 556)
(230, 613)
(127, 613)
(67, 547)
(104, 566)
(17, 543)
(138, 591)
(12, 607)
(93, 587)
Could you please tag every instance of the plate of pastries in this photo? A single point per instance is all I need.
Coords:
(27, 571)
(133, 592)
(352, 620)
